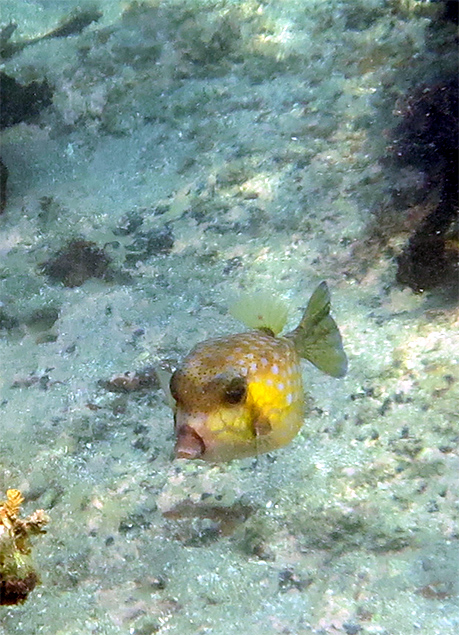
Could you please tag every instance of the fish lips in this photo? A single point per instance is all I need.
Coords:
(188, 442)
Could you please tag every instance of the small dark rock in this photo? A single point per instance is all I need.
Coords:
(7, 322)
(132, 382)
(157, 583)
(134, 524)
(385, 407)
(288, 579)
(42, 319)
(151, 243)
(130, 223)
(15, 590)
(79, 261)
(432, 507)
(3, 182)
(21, 103)
(50, 210)
(142, 443)
(232, 264)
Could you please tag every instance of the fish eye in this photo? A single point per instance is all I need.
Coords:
(235, 391)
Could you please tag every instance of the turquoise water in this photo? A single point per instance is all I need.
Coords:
(204, 148)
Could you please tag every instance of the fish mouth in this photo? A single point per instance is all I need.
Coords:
(189, 445)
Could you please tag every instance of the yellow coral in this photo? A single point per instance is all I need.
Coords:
(17, 574)
(13, 503)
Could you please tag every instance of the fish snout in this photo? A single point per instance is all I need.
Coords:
(188, 443)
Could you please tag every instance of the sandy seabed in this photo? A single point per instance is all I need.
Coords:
(196, 149)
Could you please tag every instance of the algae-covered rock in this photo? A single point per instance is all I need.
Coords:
(17, 573)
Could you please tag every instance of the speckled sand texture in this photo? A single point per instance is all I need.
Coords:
(210, 147)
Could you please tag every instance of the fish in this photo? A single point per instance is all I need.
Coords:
(242, 395)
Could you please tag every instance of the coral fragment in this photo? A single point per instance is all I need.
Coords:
(17, 574)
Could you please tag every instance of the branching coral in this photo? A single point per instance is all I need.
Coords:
(17, 574)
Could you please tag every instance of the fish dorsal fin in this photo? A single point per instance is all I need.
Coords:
(317, 337)
(260, 310)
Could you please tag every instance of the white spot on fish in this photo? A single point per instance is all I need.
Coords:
(275, 369)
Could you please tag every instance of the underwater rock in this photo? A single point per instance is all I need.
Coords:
(427, 138)
(130, 223)
(151, 243)
(22, 103)
(289, 579)
(430, 258)
(17, 574)
(79, 261)
(72, 25)
(19, 103)
(7, 322)
(450, 10)
(198, 524)
(132, 382)
(3, 182)
(42, 319)
(41, 380)
(427, 132)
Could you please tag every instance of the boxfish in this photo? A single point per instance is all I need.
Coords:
(243, 395)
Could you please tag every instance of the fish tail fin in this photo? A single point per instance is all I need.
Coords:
(317, 337)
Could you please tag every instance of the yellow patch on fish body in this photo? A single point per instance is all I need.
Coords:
(242, 395)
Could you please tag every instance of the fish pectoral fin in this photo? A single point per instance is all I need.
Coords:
(317, 337)
(164, 377)
(261, 426)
